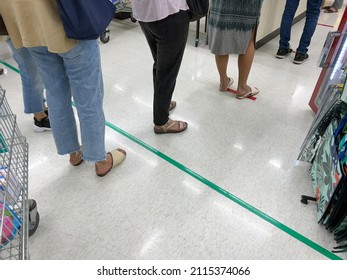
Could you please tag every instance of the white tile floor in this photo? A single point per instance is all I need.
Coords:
(234, 153)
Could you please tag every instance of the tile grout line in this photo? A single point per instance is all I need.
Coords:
(220, 190)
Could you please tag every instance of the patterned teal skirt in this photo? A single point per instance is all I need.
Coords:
(230, 25)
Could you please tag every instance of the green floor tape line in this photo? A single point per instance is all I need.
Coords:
(230, 196)
(10, 66)
(220, 190)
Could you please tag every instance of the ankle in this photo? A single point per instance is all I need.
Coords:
(167, 123)
(242, 91)
(224, 80)
(104, 162)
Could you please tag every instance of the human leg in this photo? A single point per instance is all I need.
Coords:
(83, 70)
(334, 8)
(53, 73)
(167, 39)
(32, 87)
(337, 4)
(222, 67)
(152, 43)
(286, 23)
(32, 84)
(312, 14)
(61, 74)
(244, 65)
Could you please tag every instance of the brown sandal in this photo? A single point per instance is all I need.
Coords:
(76, 157)
(172, 105)
(171, 126)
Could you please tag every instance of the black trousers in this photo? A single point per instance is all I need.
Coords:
(167, 39)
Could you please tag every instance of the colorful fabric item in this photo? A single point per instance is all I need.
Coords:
(331, 109)
(11, 224)
(325, 171)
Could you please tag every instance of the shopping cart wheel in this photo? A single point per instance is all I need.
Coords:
(105, 37)
(34, 217)
(196, 42)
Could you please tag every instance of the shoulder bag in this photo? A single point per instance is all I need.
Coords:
(85, 19)
(198, 9)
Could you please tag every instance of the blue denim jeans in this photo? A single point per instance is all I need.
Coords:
(337, 4)
(75, 74)
(312, 14)
(32, 85)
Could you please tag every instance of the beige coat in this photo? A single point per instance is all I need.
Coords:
(33, 23)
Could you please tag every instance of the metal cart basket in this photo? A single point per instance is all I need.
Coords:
(17, 222)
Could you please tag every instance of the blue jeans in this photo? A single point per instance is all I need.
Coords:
(312, 14)
(337, 4)
(32, 85)
(76, 73)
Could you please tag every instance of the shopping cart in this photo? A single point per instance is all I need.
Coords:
(123, 11)
(18, 215)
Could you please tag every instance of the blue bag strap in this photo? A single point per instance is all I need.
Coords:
(342, 123)
(342, 153)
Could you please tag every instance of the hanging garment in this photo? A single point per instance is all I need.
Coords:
(326, 172)
(331, 109)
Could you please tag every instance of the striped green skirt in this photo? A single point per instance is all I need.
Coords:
(230, 25)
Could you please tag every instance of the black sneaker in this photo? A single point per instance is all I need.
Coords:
(41, 126)
(300, 58)
(282, 53)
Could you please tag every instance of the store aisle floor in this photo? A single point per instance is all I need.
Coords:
(227, 188)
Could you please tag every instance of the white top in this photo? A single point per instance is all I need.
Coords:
(154, 10)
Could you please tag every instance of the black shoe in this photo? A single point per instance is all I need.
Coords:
(300, 58)
(282, 53)
(325, 7)
(41, 126)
